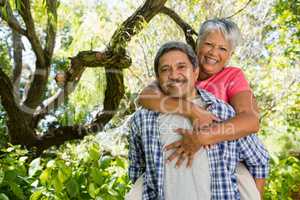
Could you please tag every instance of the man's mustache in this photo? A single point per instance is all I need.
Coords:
(174, 81)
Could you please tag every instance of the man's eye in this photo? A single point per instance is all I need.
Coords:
(181, 66)
(223, 49)
(208, 43)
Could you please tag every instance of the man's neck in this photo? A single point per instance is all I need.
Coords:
(192, 95)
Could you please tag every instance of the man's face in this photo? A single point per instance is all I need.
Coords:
(176, 74)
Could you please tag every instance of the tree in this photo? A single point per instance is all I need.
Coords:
(24, 116)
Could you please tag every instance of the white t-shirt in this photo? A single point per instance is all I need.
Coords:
(183, 183)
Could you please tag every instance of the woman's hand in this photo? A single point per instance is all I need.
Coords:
(187, 147)
(201, 118)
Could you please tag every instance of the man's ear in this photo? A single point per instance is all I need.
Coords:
(197, 70)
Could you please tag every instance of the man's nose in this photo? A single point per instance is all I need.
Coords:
(173, 74)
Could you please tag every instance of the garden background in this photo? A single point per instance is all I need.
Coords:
(70, 72)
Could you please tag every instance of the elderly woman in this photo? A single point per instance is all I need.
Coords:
(215, 45)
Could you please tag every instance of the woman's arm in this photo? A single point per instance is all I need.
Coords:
(244, 123)
(153, 98)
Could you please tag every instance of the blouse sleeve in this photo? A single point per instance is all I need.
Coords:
(237, 83)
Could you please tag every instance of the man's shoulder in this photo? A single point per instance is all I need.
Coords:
(210, 98)
(144, 114)
(216, 105)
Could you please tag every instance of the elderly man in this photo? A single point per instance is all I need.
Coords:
(212, 174)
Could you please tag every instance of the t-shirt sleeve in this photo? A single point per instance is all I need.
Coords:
(237, 83)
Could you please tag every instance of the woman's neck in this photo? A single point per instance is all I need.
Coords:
(203, 76)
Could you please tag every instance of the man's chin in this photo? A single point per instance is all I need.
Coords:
(174, 94)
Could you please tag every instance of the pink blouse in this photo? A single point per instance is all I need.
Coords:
(225, 84)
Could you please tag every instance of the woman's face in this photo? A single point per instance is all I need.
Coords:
(214, 52)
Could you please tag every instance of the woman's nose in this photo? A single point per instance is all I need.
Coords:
(213, 50)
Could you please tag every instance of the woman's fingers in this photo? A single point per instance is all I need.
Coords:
(175, 154)
(173, 145)
(181, 158)
(190, 160)
(182, 131)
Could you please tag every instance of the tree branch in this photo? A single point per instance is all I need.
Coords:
(7, 95)
(38, 85)
(17, 55)
(31, 34)
(9, 18)
(20, 133)
(240, 10)
(134, 24)
(51, 28)
(114, 59)
(187, 29)
(114, 92)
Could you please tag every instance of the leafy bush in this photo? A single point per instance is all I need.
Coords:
(81, 171)
(284, 179)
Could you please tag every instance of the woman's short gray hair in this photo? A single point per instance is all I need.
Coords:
(228, 28)
(179, 46)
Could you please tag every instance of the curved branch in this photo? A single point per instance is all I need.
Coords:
(114, 92)
(19, 130)
(134, 24)
(38, 85)
(240, 10)
(51, 28)
(17, 55)
(31, 34)
(73, 74)
(114, 58)
(8, 98)
(187, 29)
(115, 55)
(10, 18)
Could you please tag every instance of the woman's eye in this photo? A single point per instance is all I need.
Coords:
(208, 43)
(223, 49)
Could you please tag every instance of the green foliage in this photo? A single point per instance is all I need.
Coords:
(284, 179)
(14, 182)
(79, 171)
(3, 128)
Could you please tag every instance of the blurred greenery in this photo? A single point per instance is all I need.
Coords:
(96, 167)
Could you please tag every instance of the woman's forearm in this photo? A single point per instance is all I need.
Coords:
(153, 99)
(241, 125)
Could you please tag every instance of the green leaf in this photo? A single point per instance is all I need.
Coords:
(15, 188)
(93, 190)
(3, 197)
(96, 176)
(45, 175)
(34, 166)
(105, 162)
(72, 188)
(1, 176)
(121, 162)
(37, 194)
(94, 152)
(58, 185)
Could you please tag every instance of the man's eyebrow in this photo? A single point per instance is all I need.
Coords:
(181, 62)
(165, 65)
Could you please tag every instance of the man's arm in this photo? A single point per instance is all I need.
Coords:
(136, 154)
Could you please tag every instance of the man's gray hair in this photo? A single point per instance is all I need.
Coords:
(179, 46)
(228, 28)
